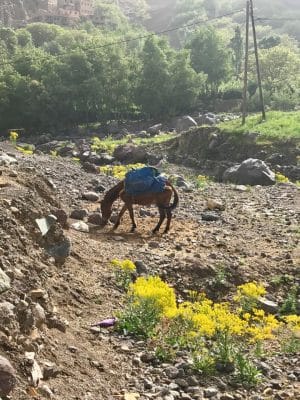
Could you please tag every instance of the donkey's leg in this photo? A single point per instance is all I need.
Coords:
(131, 213)
(169, 218)
(121, 213)
(162, 216)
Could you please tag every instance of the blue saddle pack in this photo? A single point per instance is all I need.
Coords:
(142, 180)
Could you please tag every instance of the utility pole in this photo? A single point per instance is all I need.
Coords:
(257, 63)
(246, 64)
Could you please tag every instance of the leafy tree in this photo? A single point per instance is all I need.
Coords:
(153, 91)
(109, 15)
(24, 37)
(186, 84)
(9, 38)
(236, 44)
(280, 68)
(209, 55)
(268, 42)
(42, 33)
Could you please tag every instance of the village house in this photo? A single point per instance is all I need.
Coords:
(65, 12)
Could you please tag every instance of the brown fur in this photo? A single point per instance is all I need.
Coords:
(162, 200)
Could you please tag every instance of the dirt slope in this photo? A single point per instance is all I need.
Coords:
(255, 238)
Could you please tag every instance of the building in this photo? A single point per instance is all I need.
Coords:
(85, 7)
(64, 12)
(51, 5)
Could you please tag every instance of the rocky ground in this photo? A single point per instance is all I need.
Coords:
(47, 308)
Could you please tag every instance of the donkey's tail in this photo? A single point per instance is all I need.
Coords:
(176, 198)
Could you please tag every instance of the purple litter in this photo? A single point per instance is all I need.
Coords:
(106, 323)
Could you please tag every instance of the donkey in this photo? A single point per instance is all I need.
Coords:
(162, 200)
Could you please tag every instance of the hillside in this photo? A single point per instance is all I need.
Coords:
(48, 336)
(281, 15)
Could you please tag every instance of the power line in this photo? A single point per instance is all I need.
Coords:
(277, 19)
(147, 35)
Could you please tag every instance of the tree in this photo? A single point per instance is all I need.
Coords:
(236, 44)
(24, 37)
(9, 38)
(186, 84)
(153, 91)
(280, 68)
(268, 42)
(209, 55)
(42, 33)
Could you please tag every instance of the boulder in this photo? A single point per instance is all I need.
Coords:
(79, 213)
(7, 377)
(95, 219)
(66, 150)
(113, 127)
(155, 129)
(101, 159)
(49, 146)
(90, 196)
(80, 226)
(185, 123)
(61, 216)
(5, 159)
(7, 316)
(250, 172)
(60, 250)
(89, 167)
(129, 153)
(4, 282)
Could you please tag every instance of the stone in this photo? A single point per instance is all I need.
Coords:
(79, 213)
(172, 372)
(147, 358)
(240, 188)
(4, 282)
(250, 172)
(95, 219)
(90, 196)
(210, 216)
(210, 392)
(182, 383)
(100, 188)
(46, 223)
(90, 167)
(268, 306)
(5, 159)
(45, 391)
(276, 384)
(54, 322)
(50, 370)
(185, 123)
(215, 205)
(227, 396)
(185, 396)
(38, 314)
(130, 153)
(7, 377)
(60, 250)
(80, 226)
(113, 127)
(7, 316)
(155, 129)
(141, 268)
(37, 294)
(192, 381)
(61, 216)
